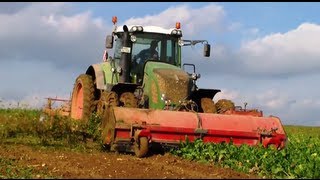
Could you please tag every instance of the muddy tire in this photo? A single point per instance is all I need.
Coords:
(107, 99)
(129, 100)
(208, 106)
(82, 101)
(141, 147)
(108, 128)
(224, 105)
(105, 105)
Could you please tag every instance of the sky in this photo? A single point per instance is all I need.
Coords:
(263, 53)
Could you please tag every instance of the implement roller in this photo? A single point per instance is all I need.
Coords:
(163, 127)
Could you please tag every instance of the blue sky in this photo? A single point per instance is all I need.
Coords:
(267, 16)
(263, 53)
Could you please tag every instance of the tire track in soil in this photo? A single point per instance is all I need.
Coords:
(96, 164)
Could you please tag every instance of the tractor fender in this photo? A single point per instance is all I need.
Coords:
(200, 93)
(95, 70)
(197, 95)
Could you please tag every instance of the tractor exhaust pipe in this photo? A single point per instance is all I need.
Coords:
(125, 56)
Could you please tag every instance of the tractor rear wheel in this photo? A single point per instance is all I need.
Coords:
(141, 147)
(82, 102)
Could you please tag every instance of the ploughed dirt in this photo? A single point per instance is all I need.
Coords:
(96, 164)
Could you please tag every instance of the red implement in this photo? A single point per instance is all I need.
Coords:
(172, 127)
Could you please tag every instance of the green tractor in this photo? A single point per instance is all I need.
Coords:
(129, 79)
(146, 97)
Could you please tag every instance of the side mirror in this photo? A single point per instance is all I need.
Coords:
(109, 42)
(206, 50)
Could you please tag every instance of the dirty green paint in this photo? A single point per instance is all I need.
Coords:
(149, 78)
(179, 57)
(106, 67)
(120, 121)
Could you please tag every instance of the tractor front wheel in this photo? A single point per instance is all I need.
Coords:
(224, 105)
(208, 106)
(82, 102)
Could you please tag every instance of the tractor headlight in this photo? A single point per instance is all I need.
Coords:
(163, 97)
(133, 38)
(119, 70)
(136, 28)
(194, 76)
(180, 42)
(174, 32)
(166, 100)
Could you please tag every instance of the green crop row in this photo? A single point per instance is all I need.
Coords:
(33, 128)
(49, 131)
(300, 158)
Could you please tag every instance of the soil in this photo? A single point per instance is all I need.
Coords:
(97, 164)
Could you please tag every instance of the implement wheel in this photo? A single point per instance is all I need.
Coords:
(141, 147)
(82, 102)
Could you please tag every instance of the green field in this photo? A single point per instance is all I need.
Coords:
(300, 158)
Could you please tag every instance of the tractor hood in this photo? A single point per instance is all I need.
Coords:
(174, 83)
(166, 82)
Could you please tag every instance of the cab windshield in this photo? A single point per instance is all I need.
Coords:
(166, 47)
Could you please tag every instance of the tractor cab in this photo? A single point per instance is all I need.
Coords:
(147, 43)
(166, 47)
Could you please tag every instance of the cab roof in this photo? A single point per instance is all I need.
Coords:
(150, 29)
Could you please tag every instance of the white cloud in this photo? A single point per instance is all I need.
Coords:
(291, 53)
(12, 7)
(34, 80)
(277, 55)
(272, 102)
(226, 94)
(193, 21)
(235, 26)
(287, 107)
(272, 99)
(254, 31)
(43, 48)
(48, 32)
(71, 25)
(250, 34)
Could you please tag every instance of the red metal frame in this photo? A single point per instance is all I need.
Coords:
(173, 127)
(245, 112)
